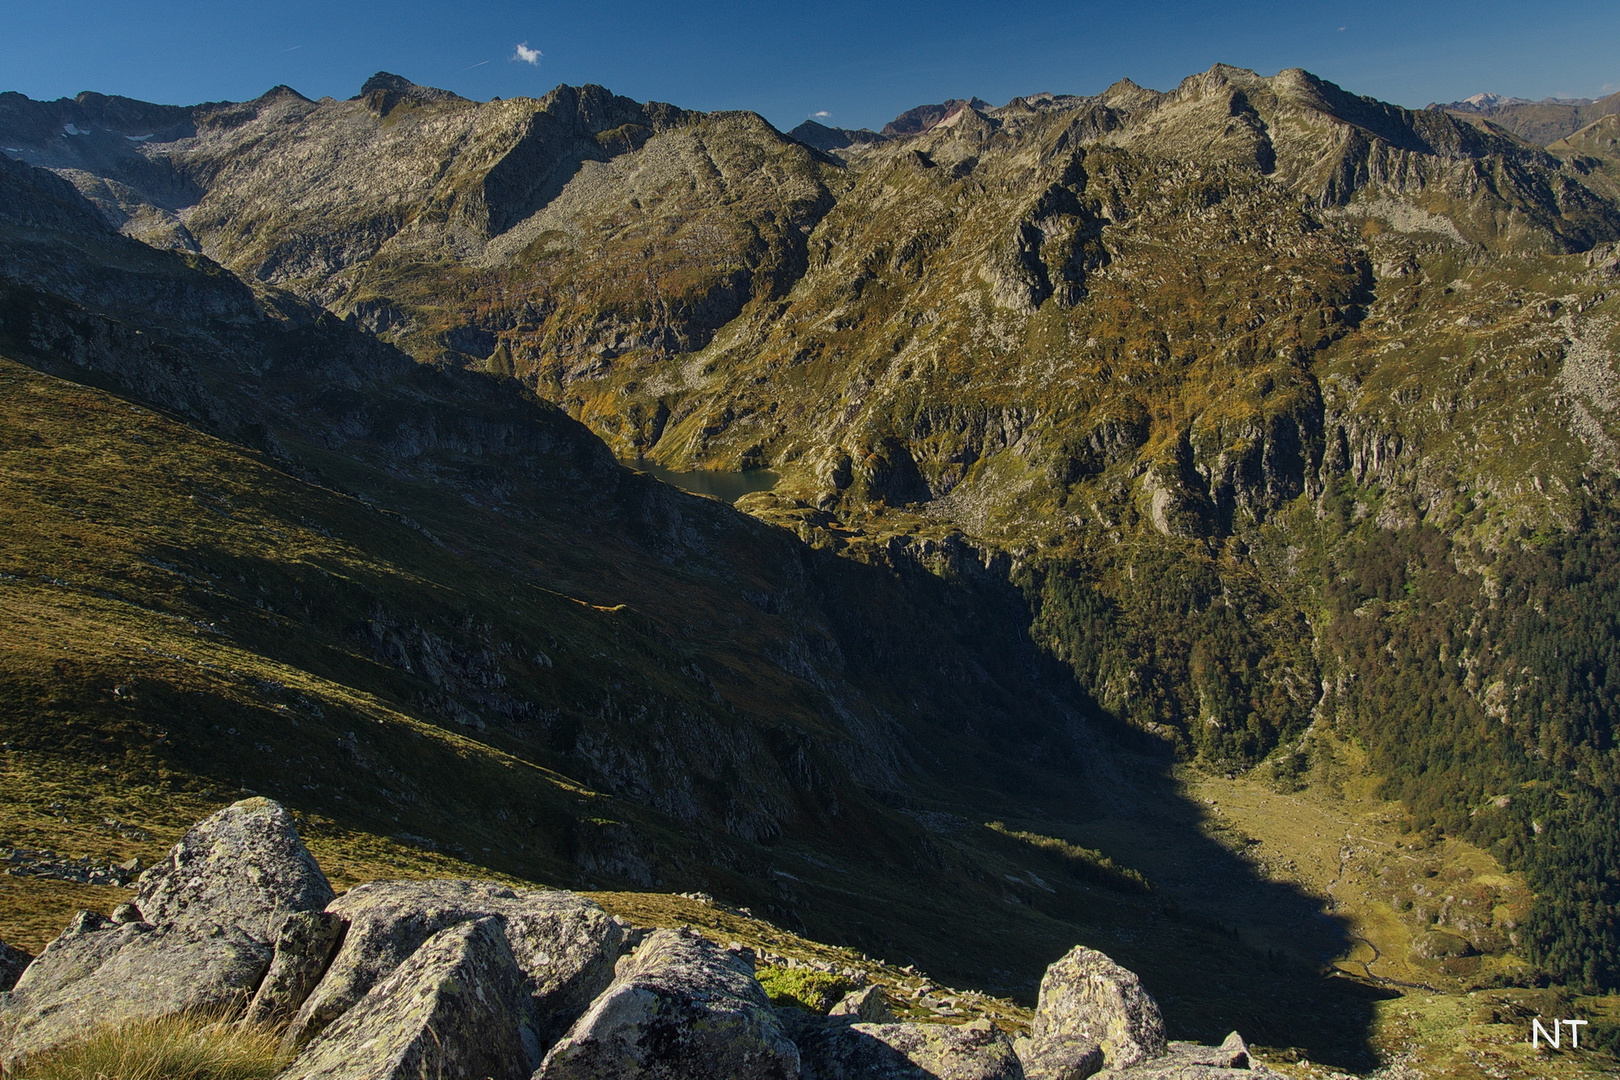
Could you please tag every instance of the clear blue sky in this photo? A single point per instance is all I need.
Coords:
(860, 63)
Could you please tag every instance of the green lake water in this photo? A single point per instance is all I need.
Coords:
(729, 486)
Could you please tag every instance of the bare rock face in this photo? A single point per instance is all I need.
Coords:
(1087, 1000)
(867, 1004)
(13, 961)
(456, 1008)
(100, 972)
(304, 948)
(244, 866)
(678, 1008)
(973, 1051)
(565, 945)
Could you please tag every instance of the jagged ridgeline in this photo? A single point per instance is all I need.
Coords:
(1258, 405)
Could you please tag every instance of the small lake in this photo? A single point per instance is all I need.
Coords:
(729, 486)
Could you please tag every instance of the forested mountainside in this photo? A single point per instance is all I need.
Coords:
(1243, 417)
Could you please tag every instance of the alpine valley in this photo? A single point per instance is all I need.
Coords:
(1184, 524)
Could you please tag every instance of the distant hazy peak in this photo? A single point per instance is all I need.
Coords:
(925, 118)
(1487, 101)
(828, 139)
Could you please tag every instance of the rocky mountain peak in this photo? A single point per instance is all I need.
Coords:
(282, 90)
(830, 139)
(385, 90)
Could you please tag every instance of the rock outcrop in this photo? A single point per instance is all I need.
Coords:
(1191, 1061)
(679, 1007)
(565, 945)
(457, 1007)
(199, 939)
(1087, 1001)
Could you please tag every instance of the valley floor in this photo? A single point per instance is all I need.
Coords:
(1342, 844)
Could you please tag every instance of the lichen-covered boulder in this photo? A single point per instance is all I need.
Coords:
(245, 866)
(844, 1051)
(565, 945)
(868, 1004)
(199, 937)
(12, 963)
(100, 972)
(1088, 1000)
(456, 1009)
(304, 948)
(678, 1009)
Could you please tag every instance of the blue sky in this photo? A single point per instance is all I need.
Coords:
(859, 63)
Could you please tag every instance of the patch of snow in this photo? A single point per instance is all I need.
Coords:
(137, 138)
(69, 129)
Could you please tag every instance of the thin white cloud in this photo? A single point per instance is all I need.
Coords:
(822, 115)
(527, 55)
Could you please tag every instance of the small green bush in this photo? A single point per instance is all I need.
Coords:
(1082, 862)
(814, 991)
(173, 1048)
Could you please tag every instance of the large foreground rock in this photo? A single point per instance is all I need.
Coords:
(1089, 1003)
(972, 1051)
(244, 866)
(12, 962)
(679, 1009)
(199, 938)
(100, 972)
(456, 1009)
(564, 944)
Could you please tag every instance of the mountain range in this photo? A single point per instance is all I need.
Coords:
(1254, 428)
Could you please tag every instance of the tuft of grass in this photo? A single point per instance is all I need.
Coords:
(814, 991)
(1083, 862)
(171, 1048)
